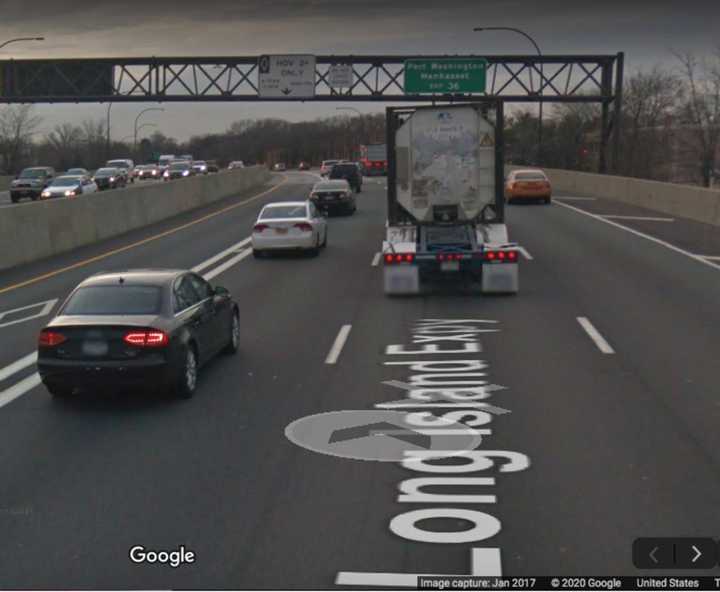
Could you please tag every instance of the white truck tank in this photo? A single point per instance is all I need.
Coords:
(445, 164)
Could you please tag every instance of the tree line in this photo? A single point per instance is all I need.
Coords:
(670, 130)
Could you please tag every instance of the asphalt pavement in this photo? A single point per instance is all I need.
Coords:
(604, 368)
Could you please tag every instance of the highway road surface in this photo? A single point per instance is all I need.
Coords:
(601, 376)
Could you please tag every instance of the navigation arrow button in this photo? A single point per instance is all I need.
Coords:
(653, 554)
(695, 553)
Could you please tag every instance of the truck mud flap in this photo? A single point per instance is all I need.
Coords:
(500, 279)
(401, 279)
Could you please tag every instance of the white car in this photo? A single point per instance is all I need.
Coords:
(69, 186)
(289, 225)
(327, 166)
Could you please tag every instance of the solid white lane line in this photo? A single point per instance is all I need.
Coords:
(220, 255)
(648, 218)
(643, 235)
(525, 254)
(19, 388)
(339, 343)
(711, 257)
(18, 365)
(376, 259)
(229, 263)
(576, 198)
(594, 334)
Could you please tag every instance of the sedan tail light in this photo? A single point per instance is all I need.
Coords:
(303, 226)
(147, 338)
(50, 338)
(260, 227)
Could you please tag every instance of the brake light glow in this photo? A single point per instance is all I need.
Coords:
(50, 338)
(303, 226)
(448, 256)
(392, 258)
(260, 227)
(501, 256)
(150, 338)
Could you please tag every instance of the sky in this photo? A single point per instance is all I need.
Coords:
(648, 32)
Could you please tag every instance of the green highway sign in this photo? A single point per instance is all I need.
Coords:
(445, 76)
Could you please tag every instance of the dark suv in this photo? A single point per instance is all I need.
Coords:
(31, 182)
(348, 171)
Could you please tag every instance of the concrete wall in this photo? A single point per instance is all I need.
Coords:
(685, 201)
(32, 231)
(5, 181)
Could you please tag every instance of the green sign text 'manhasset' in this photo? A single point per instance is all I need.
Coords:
(445, 76)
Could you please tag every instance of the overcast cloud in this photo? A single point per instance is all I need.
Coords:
(645, 31)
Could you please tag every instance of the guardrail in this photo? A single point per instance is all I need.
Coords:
(683, 201)
(29, 232)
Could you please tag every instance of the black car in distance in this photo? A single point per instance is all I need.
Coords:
(144, 329)
(348, 171)
(109, 178)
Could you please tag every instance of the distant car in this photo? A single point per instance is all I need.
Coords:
(31, 182)
(236, 164)
(528, 184)
(125, 164)
(348, 171)
(164, 161)
(334, 195)
(147, 171)
(212, 166)
(77, 171)
(292, 225)
(200, 167)
(69, 186)
(178, 170)
(279, 166)
(137, 329)
(327, 166)
(109, 178)
(304, 166)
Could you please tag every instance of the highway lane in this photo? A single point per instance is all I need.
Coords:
(621, 445)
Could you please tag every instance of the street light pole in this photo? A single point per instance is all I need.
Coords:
(107, 140)
(137, 119)
(542, 77)
(8, 42)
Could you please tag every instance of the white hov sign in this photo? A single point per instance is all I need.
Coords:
(286, 76)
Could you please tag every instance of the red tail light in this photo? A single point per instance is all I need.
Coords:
(260, 227)
(448, 256)
(392, 258)
(149, 338)
(303, 226)
(501, 256)
(50, 338)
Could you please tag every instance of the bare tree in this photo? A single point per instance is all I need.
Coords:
(66, 141)
(17, 124)
(702, 107)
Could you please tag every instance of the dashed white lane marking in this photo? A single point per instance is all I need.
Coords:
(19, 388)
(643, 235)
(47, 306)
(576, 198)
(376, 259)
(229, 263)
(338, 345)
(220, 255)
(594, 334)
(525, 253)
(647, 218)
(18, 365)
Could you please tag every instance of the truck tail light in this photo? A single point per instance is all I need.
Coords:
(501, 256)
(50, 338)
(147, 338)
(449, 256)
(395, 258)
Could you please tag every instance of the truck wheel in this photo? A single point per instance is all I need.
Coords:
(547, 200)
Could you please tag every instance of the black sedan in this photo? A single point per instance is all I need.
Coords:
(141, 329)
(109, 178)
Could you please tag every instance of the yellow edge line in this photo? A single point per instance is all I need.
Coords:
(84, 262)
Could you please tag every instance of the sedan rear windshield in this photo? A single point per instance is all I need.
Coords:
(33, 173)
(114, 300)
(66, 182)
(284, 212)
(343, 169)
(530, 177)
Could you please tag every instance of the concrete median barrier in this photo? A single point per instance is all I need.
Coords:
(684, 201)
(33, 231)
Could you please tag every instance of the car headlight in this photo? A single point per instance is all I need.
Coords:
(45, 194)
(186, 173)
(154, 172)
(166, 174)
(203, 168)
(112, 179)
(69, 193)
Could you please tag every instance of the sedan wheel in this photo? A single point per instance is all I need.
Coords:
(188, 375)
(234, 344)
